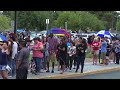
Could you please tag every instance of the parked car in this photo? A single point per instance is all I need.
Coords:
(83, 35)
(43, 32)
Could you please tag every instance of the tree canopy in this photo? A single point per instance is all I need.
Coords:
(4, 23)
(76, 20)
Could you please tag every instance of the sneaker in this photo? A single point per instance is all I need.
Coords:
(33, 72)
(47, 71)
(81, 71)
(9, 76)
(52, 71)
(61, 73)
(66, 69)
(112, 62)
(76, 71)
(74, 68)
(70, 70)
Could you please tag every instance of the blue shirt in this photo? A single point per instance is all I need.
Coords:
(104, 47)
(68, 44)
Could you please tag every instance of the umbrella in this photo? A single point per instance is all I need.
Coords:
(57, 31)
(104, 33)
(2, 38)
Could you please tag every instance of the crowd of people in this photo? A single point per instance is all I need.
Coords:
(67, 52)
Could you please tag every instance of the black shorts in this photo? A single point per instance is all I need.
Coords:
(22, 73)
(62, 60)
(108, 53)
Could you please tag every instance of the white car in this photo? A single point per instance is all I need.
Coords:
(43, 32)
(83, 35)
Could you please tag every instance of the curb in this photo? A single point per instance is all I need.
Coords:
(65, 76)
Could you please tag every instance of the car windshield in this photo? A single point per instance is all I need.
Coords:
(82, 35)
(43, 32)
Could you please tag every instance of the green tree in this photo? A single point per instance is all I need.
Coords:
(79, 19)
(105, 16)
(34, 19)
(4, 23)
(118, 26)
(90, 22)
(70, 17)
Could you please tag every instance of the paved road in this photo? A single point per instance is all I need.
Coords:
(108, 75)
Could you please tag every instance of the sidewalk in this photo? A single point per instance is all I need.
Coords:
(88, 69)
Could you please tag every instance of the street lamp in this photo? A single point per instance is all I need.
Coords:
(47, 23)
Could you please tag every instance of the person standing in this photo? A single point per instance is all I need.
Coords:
(117, 52)
(22, 62)
(37, 54)
(4, 52)
(75, 58)
(108, 52)
(103, 50)
(52, 51)
(63, 53)
(81, 53)
(58, 55)
(46, 53)
(95, 48)
(71, 53)
(14, 50)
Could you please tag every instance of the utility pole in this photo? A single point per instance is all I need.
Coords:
(15, 22)
(65, 25)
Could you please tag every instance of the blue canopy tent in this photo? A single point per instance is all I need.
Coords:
(20, 30)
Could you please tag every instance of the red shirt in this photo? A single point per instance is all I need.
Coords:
(95, 45)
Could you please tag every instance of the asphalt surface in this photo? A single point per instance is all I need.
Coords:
(108, 75)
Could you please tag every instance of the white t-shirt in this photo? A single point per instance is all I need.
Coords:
(71, 50)
(14, 49)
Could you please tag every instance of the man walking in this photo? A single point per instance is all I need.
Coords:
(22, 62)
